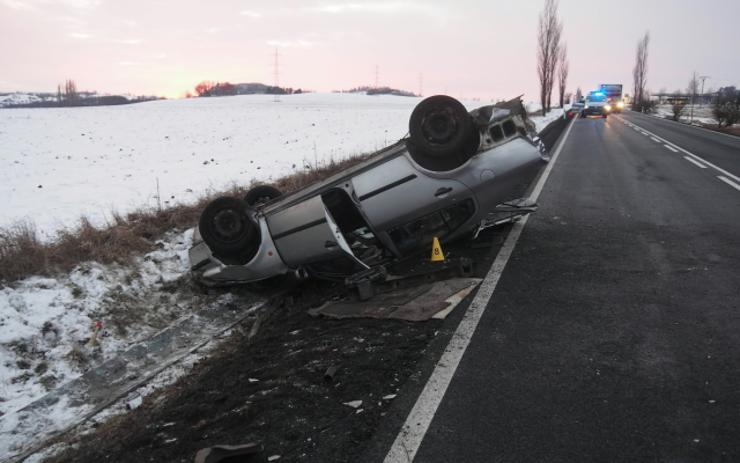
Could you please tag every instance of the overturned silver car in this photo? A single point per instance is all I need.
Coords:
(455, 173)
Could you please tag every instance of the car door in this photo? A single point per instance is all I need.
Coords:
(306, 233)
(396, 191)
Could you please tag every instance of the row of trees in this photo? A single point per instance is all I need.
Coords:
(552, 55)
(208, 88)
(67, 92)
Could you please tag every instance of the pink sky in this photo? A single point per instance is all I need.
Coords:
(466, 48)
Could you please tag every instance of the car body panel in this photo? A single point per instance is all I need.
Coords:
(265, 264)
(386, 191)
(305, 233)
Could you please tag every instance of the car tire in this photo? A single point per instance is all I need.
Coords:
(442, 134)
(261, 194)
(228, 230)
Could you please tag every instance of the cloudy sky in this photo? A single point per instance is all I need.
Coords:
(467, 48)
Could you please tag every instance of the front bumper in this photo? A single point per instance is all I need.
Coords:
(594, 111)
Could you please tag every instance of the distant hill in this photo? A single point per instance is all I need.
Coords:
(52, 100)
(208, 88)
(366, 89)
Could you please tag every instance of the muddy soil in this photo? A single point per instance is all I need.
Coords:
(274, 391)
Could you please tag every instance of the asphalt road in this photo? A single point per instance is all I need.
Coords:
(614, 331)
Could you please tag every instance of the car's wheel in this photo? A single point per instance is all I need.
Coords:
(261, 194)
(228, 231)
(442, 133)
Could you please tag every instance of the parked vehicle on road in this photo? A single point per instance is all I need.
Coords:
(614, 96)
(596, 104)
(449, 178)
(574, 110)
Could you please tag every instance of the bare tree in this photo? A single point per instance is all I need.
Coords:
(693, 87)
(70, 90)
(549, 30)
(562, 72)
(639, 73)
(692, 90)
(678, 106)
(579, 94)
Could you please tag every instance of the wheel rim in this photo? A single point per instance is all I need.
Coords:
(228, 225)
(439, 127)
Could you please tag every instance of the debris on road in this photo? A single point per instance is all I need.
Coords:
(331, 373)
(223, 453)
(134, 401)
(418, 303)
(354, 403)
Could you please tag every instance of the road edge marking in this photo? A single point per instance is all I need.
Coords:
(696, 163)
(409, 438)
(671, 148)
(729, 182)
(698, 158)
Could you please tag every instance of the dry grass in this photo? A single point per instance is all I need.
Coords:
(22, 254)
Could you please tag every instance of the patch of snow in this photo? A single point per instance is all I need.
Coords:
(353, 403)
(17, 98)
(702, 113)
(541, 122)
(46, 324)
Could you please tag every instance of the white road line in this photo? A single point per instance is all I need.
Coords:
(645, 133)
(671, 148)
(698, 164)
(698, 158)
(412, 433)
(729, 182)
(655, 139)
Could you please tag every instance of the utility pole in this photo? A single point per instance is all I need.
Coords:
(276, 75)
(693, 93)
(376, 76)
(421, 84)
(703, 78)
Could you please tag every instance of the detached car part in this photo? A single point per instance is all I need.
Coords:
(456, 173)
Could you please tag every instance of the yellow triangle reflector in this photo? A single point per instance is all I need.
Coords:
(437, 254)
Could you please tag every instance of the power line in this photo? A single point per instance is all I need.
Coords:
(276, 75)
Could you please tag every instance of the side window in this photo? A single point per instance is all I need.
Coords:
(421, 231)
(496, 133)
(509, 128)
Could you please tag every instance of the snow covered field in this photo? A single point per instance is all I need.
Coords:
(702, 113)
(61, 163)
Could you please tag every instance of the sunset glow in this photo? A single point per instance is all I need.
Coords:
(472, 49)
